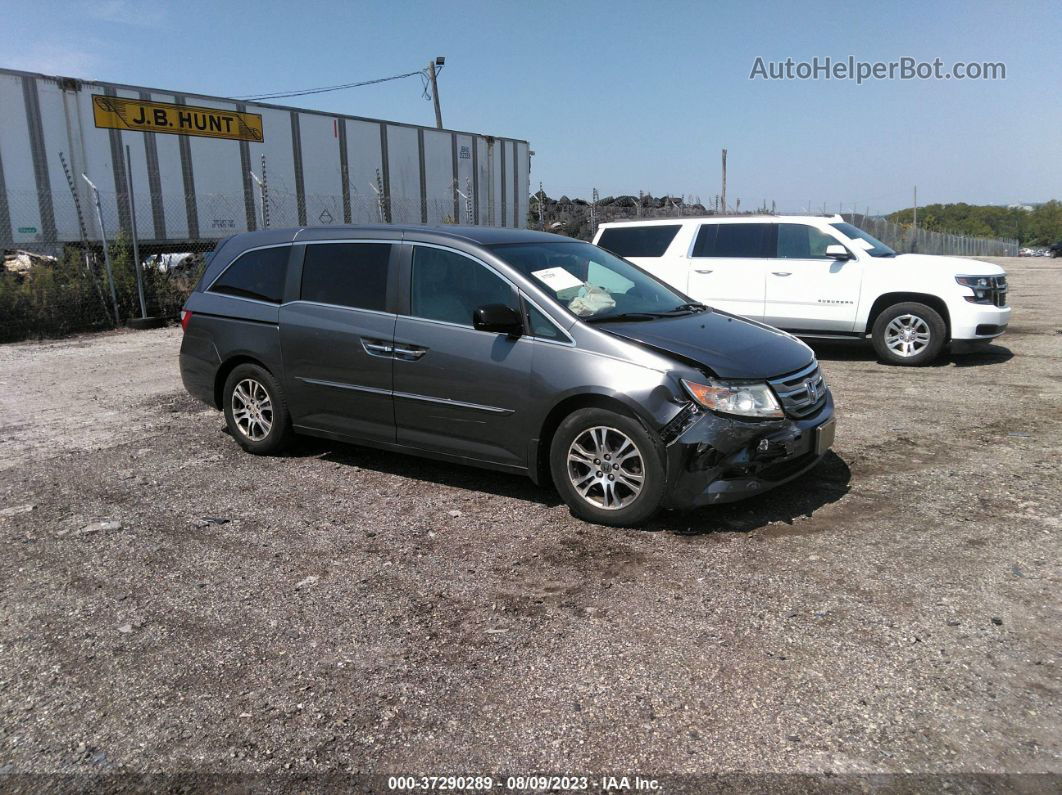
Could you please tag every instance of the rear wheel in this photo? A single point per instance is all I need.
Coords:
(909, 334)
(256, 411)
(607, 467)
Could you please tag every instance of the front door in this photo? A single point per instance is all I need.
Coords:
(457, 390)
(806, 290)
(728, 267)
(336, 341)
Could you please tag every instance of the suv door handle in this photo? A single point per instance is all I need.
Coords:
(782, 273)
(702, 270)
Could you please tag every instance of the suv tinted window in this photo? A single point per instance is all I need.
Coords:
(800, 241)
(732, 240)
(347, 274)
(449, 286)
(256, 274)
(638, 241)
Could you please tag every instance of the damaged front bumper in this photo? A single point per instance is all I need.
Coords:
(713, 459)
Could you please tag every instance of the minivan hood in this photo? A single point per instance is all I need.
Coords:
(728, 345)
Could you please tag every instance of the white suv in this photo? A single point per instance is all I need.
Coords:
(819, 277)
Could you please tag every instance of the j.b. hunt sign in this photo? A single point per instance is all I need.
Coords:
(164, 117)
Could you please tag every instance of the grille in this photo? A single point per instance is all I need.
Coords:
(802, 393)
(998, 293)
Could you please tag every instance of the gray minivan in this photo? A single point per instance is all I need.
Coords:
(503, 348)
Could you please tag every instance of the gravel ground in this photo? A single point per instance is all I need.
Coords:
(172, 604)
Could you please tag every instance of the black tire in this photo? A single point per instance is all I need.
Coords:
(613, 480)
(144, 323)
(279, 432)
(920, 319)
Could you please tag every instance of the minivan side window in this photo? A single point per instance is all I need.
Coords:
(542, 327)
(346, 274)
(800, 241)
(449, 286)
(258, 274)
(732, 241)
(638, 241)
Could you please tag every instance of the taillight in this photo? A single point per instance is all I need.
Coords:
(186, 316)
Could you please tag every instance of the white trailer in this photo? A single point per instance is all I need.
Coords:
(207, 167)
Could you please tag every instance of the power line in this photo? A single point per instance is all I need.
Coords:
(325, 89)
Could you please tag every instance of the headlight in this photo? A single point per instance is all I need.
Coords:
(981, 286)
(976, 282)
(744, 400)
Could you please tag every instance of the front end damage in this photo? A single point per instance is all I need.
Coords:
(713, 459)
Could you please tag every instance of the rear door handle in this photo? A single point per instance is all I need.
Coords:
(409, 353)
(702, 270)
(782, 273)
(377, 348)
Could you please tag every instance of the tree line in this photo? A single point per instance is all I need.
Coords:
(1040, 226)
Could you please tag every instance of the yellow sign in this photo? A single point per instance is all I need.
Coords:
(163, 117)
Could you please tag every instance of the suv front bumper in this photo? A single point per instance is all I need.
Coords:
(978, 321)
(716, 459)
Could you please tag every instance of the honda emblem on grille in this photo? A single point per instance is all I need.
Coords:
(813, 391)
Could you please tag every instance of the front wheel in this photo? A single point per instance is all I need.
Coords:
(607, 467)
(909, 334)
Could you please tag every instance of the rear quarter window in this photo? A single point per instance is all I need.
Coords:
(258, 274)
(638, 241)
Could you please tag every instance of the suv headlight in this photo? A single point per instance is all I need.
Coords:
(753, 399)
(981, 286)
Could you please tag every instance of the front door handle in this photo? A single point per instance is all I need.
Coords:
(782, 273)
(702, 270)
(409, 353)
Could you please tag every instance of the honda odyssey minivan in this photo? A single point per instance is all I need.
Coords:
(510, 349)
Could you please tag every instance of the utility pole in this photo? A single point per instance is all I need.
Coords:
(132, 222)
(438, 62)
(914, 221)
(723, 194)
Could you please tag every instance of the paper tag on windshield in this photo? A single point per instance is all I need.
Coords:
(557, 279)
(863, 243)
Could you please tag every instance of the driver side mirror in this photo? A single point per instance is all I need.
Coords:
(837, 251)
(498, 318)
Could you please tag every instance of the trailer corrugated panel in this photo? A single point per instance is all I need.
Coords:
(305, 167)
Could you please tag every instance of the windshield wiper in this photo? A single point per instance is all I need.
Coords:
(624, 316)
(690, 307)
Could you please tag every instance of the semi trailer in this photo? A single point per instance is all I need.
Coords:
(202, 167)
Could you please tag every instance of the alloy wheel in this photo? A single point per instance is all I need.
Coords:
(907, 335)
(252, 409)
(605, 468)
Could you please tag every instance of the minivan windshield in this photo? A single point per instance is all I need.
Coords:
(873, 246)
(593, 284)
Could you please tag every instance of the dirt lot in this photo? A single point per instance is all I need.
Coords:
(172, 604)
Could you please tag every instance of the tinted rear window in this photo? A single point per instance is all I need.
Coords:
(733, 240)
(638, 241)
(256, 274)
(346, 274)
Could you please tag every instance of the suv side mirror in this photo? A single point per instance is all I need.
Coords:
(498, 318)
(837, 251)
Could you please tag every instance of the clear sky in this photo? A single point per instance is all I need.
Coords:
(625, 96)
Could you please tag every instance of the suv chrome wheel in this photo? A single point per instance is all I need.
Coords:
(606, 468)
(907, 335)
(252, 409)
